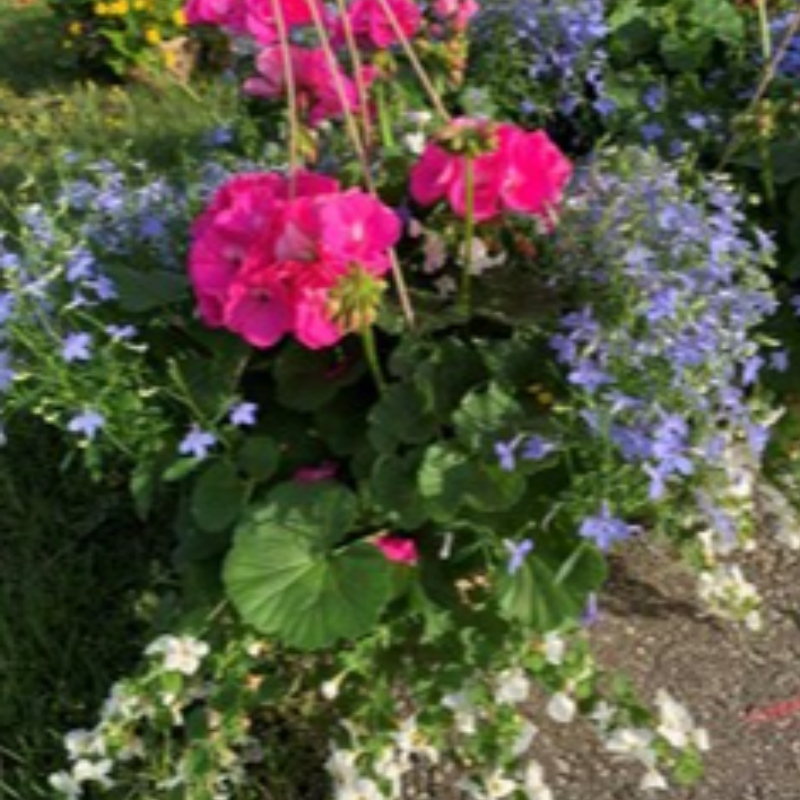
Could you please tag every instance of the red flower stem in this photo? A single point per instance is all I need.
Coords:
(291, 93)
(358, 146)
(408, 48)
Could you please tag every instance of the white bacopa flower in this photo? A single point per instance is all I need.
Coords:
(360, 789)
(635, 743)
(181, 653)
(512, 687)
(409, 740)
(341, 765)
(676, 724)
(554, 648)
(65, 785)
(533, 785)
(463, 709)
(653, 780)
(561, 708)
(82, 743)
(86, 771)
(497, 786)
(120, 704)
(415, 142)
(524, 738)
(603, 714)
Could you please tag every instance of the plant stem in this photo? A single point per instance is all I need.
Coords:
(355, 56)
(291, 93)
(384, 120)
(465, 297)
(371, 353)
(422, 75)
(766, 33)
(770, 68)
(358, 146)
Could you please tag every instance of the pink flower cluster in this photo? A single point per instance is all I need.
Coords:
(368, 18)
(265, 255)
(318, 95)
(523, 172)
(457, 13)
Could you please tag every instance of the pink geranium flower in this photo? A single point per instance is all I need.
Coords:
(373, 27)
(230, 14)
(517, 171)
(317, 92)
(457, 12)
(264, 261)
(261, 22)
(397, 549)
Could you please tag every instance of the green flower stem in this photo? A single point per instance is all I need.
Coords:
(766, 33)
(371, 353)
(384, 118)
(465, 297)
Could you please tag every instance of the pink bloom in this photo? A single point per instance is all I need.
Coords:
(324, 472)
(373, 27)
(223, 236)
(357, 228)
(401, 551)
(316, 87)
(525, 173)
(228, 14)
(457, 12)
(261, 21)
(264, 261)
(537, 172)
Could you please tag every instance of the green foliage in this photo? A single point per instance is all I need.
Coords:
(287, 577)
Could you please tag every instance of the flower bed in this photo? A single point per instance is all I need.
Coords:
(405, 390)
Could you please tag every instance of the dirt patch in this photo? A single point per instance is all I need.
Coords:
(653, 629)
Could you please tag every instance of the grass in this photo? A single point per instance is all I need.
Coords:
(47, 108)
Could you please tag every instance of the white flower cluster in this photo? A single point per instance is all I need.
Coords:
(729, 594)
(133, 706)
(674, 726)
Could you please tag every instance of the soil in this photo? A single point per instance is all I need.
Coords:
(653, 629)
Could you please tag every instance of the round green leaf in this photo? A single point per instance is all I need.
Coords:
(284, 586)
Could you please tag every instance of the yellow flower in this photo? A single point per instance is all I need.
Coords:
(152, 36)
(139, 5)
(179, 18)
(75, 28)
(170, 59)
(101, 9)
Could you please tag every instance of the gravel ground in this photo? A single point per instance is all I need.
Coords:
(653, 629)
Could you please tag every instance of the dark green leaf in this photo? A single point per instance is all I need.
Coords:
(218, 497)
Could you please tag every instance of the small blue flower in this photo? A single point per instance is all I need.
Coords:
(537, 448)
(6, 373)
(652, 131)
(507, 454)
(591, 612)
(243, 414)
(604, 529)
(120, 333)
(518, 552)
(696, 120)
(779, 360)
(77, 347)
(197, 443)
(654, 97)
(87, 422)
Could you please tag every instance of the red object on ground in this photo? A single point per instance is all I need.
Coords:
(775, 711)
